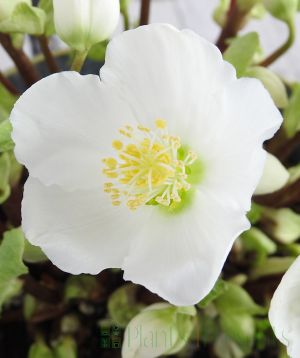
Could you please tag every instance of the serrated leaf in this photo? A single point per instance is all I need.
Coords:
(292, 113)
(6, 143)
(11, 264)
(25, 19)
(242, 51)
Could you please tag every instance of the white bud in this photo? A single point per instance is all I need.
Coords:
(83, 23)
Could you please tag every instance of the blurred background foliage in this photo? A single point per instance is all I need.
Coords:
(46, 313)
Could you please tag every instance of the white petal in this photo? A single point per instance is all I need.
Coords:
(168, 74)
(63, 126)
(180, 257)
(87, 22)
(79, 231)
(284, 312)
(234, 158)
(274, 177)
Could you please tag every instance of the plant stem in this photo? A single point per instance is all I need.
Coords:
(126, 19)
(235, 21)
(283, 49)
(50, 60)
(78, 60)
(145, 12)
(22, 62)
(8, 85)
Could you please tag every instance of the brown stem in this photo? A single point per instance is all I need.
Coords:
(50, 60)
(22, 62)
(235, 21)
(8, 85)
(145, 12)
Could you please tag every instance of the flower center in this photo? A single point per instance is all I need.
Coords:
(150, 167)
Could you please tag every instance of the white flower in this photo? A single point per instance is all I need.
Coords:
(7, 7)
(160, 329)
(83, 23)
(274, 177)
(284, 312)
(181, 139)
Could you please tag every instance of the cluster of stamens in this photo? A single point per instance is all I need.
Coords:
(147, 169)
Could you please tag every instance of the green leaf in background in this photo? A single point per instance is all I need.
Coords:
(219, 288)
(25, 19)
(291, 122)
(257, 241)
(39, 349)
(6, 142)
(282, 224)
(11, 264)
(254, 215)
(237, 300)
(33, 254)
(294, 173)
(220, 12)
(247, 5)
(65, 348)
(80, 287)
(6, 103)
(283, 10)
(242, 51)
(272, 266)
(47, 7)
(122, 305)
(272, 83)
(4, 177)
(240, 327)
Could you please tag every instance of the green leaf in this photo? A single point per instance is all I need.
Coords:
(247, 5)
(33, 254)
(25, 19)
(237, 300)
(220, 12)
(6, 142)
(80, 287)
(240, 327)
(292, 113)
(7, 101)
(272, 266)
(254, 215)
(11, 264)
(40, 350)
(272, 83)
(65, 348)
(122, 305)
(241, 52)
(209, 328)
(294, 173)
(219, 288)
(283, 10)
(47, 7)
(256, 240)
(4, 177)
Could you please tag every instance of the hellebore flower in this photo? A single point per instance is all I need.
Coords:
(284, 312)
(83, 23)
(150, 169)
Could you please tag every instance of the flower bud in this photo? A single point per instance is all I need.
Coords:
(274, 177)
(83, 23)
(160, 329)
